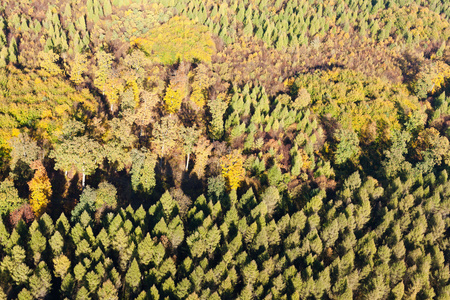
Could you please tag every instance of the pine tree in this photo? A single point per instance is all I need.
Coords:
(41, 281)
(61, 265)
(217, 108)
(133, 276)
(348, 147)
(108, 291)
(143, 170)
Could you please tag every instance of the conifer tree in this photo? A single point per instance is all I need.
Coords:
(217, 108)
(133, 276)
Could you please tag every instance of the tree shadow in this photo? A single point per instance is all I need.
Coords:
(191, 185)
(22, 174)
(409, 64)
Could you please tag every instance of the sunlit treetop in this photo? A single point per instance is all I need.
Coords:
(180, 39)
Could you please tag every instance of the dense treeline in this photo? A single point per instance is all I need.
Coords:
(234, 150)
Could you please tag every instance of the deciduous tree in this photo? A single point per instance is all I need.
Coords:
(41, 189)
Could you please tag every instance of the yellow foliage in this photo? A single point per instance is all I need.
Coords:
(173, 99)
(41, 189)
(134, 87)
(15, 132)
(46, 113)
(198, 96)
(178, 39)
(442, 72)
(77, 67)
(232, 169)
(47, 62)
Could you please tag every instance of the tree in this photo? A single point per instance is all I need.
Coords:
(202, 152)
(303, 99)
(271, 198)
(173, 99)
(119, 141)
(133, 276)
(47, 61)
(83, 153)
(41, 281)
(41, 189)
(166, 134)
(106, 196)
(143, 170)
(108, 291)
(190, 137)
(180, 39)
(232, 169)
(394, 156)
(145, 112)
(61, 265)
(23, 149)
(348, 147)
(202, 81)
(217, 108)
(107, 79)
(76, 67)
(9, 197)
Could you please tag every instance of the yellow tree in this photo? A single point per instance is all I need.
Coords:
(76, 68)
(47, 61)
(202, 152)
(41, 189)
(232, 169)
(173, 99)
(203, 79)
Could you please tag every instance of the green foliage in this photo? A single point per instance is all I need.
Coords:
(347, 147)
(331, 115)
(9, 197)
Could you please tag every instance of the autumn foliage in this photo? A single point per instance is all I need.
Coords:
(41, 189)
(232, 169)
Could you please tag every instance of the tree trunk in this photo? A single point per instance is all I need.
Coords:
(187, 162)
(65, 174)
(84, 179)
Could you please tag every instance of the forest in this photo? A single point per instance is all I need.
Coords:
(234, 149)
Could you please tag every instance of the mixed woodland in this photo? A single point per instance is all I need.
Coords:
(236, 149)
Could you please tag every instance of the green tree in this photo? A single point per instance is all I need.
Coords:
(348, 146)
(83, 153)
(61, 266)
(9, 197)
(166, 135)
(217, 107)
(133, 276)
(143, 170)
(108, 291)
(190, 137)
